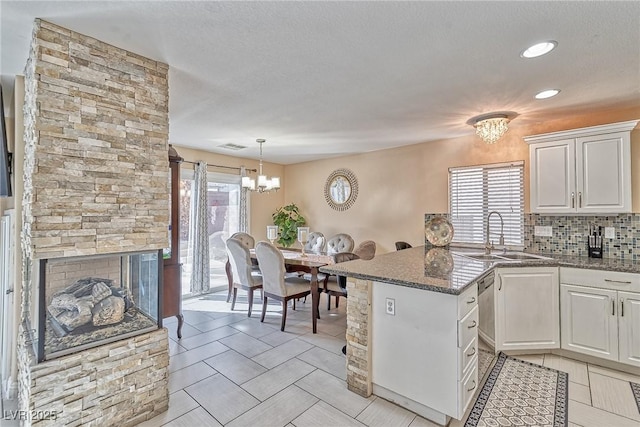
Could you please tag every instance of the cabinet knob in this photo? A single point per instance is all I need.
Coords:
(474, 386)
(580, 199)
(573, 199)
(471, 300)
(472, 325)
(472, 353)
(621, 307)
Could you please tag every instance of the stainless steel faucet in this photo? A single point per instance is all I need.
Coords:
(488, 245)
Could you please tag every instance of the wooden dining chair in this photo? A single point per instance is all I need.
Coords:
(337, 285)
(243, 275)
(366, 250)
(274, 283)
(402, 245)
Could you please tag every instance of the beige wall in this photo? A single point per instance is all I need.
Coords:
(398, 186)
(261, 206)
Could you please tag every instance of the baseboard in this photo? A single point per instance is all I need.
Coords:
(413, 406)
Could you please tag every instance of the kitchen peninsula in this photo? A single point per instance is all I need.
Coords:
(412, 323)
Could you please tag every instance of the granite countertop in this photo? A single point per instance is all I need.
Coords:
(447, 271)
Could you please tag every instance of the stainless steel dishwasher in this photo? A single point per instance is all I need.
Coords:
(486, 310)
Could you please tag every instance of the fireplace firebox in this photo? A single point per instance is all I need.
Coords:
(88, 301)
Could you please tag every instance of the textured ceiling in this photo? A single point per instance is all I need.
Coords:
(321, 79)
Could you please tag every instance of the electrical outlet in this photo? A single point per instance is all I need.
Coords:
(543, 231)
(391, 306)
(609, 232)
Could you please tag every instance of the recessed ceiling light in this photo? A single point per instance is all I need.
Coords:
(547, 93)
(539, 49)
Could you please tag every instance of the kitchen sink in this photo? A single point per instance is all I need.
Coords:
(501, 256)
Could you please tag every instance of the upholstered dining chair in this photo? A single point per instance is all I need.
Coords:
(246, 239)
(340, 243)
(402, 245)
(366, 250)
(315, 242)
(337, 285)
(274, 283)
(241, 267)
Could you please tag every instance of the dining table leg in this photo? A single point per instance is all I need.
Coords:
(227, 269)
(315, 300)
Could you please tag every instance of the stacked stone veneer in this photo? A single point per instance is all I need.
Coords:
(96, 142)
(96, 181)
(118, 384)
(359, 336)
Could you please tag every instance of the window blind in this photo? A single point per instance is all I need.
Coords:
(476, 191)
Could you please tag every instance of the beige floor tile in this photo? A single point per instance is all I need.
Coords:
(322, 415)
(577, 370)
(278, 337)
(179, 404)
(328, 342)
(588, 416)
(383, 413)
(245, 344)
(574, 425)
(207, 337)
(255, 328)
(421, 422)
(334, 391)
(189, 375)
(613, 373)
(235, 366)
(197, 417)
(196, 355)
(278, 410)
(278, 378)
(580, 393)
(613, 395)
(221, 398)
(226, 320)
(175, 348)
(327, 361)
(278, 355)
(193, 317)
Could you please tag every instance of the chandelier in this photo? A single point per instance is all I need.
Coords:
(264, 184)
(491, 128)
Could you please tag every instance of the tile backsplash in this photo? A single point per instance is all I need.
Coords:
(570, 234)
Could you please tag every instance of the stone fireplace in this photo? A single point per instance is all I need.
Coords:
(96, 212)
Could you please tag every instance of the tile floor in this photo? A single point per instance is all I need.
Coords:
(232, 370)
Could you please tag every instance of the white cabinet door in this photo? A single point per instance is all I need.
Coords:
(553, 177)
(603, 165)
(589, 321)
(527, 308)
(629, 327)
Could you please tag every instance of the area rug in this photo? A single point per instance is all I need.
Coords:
(485, 358)
(519, 393)
(636, 393)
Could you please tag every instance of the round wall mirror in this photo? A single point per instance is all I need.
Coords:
(341, 189)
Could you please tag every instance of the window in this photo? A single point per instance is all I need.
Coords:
(476, 191)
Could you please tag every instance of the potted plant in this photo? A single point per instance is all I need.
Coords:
(288, 219)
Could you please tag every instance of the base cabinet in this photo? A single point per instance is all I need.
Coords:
(589, 321)
(600, 314)
(629, 328)
(527, 308)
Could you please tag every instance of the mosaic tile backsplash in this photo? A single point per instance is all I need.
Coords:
(570, 234)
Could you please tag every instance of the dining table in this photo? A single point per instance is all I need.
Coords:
(294, 261)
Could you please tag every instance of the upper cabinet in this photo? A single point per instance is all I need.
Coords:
(585, 170)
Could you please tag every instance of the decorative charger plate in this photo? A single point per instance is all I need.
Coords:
(438, 231)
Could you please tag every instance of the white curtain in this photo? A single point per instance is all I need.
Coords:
(199, 232)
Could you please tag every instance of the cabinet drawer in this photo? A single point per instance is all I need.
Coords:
(468, 328)
(614, 280)
(467, 387)
(466, 356)
(467, 301)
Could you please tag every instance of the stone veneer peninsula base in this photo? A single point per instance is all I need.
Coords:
(119, 384)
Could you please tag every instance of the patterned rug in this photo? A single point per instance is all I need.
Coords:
(636, 393)
(519, 393)
(485, 358)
